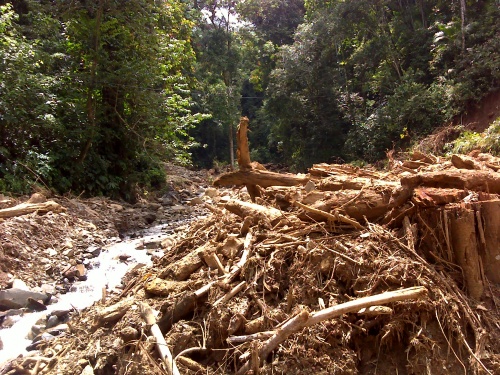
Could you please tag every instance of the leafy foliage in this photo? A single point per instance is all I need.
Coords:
(94, 94)
(362, 77)
(489, 141)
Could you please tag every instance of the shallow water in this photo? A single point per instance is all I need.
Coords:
(107, 272)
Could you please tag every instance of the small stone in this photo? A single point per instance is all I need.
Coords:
(61, 314)
(211, 192)
(52, 321)
(88, 370)
(149, 218)
(58, 329)
(48, 289)
(51, 252)
(153, 244)
(195, 201)
(37, 198)
(68, 252)
(129, 334)
(36, 329)
(80, 270)
(123, 257)
(94, 250)
(70, 273)
(35, 305)
(19, 284)
(310, 186)
(116, 207)
(38, 340)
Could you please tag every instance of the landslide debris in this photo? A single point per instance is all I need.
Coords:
(349, 271)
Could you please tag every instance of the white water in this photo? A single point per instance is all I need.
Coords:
(107, 273)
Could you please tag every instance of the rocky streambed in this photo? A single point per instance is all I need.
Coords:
(54, 264)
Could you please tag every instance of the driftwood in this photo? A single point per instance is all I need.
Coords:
(186, 304)
(486, 181)
(28, 208)
(356, 204)
(306, 319)
(247, 209)
(161, 345)
(490, 215)
(253, 175)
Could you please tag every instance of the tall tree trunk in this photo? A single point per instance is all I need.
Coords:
(462, 21)
(90, 89)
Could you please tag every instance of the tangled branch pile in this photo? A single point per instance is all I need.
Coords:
(347, 271)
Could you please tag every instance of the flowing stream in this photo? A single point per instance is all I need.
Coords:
(107, 272)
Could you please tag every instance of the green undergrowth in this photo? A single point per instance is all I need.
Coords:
(488, 141)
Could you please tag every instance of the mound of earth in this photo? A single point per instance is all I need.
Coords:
(342, 271)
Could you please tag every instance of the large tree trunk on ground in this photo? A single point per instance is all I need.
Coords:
(259, 177)
(486, 181)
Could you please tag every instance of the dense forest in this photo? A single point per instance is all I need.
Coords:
(95, 95)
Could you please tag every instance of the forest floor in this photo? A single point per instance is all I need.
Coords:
(356, 271)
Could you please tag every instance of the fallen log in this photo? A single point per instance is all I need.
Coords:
(184, 267)
(462, 223)
(261, 178)
(112, 313)
(345, 182)
(368, 203)
(28, 208)
(487, 181)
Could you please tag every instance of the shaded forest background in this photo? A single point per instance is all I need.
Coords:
(96, 95)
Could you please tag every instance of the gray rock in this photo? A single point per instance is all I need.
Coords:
(36, 329)
(61, 314)
(52, 321)
(58, 329)
(195, 201)
(94, 250)
(17, 298)
(48, 289)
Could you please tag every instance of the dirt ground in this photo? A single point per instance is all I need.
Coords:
(235, 274)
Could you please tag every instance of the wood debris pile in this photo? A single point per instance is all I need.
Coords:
(341, 271)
